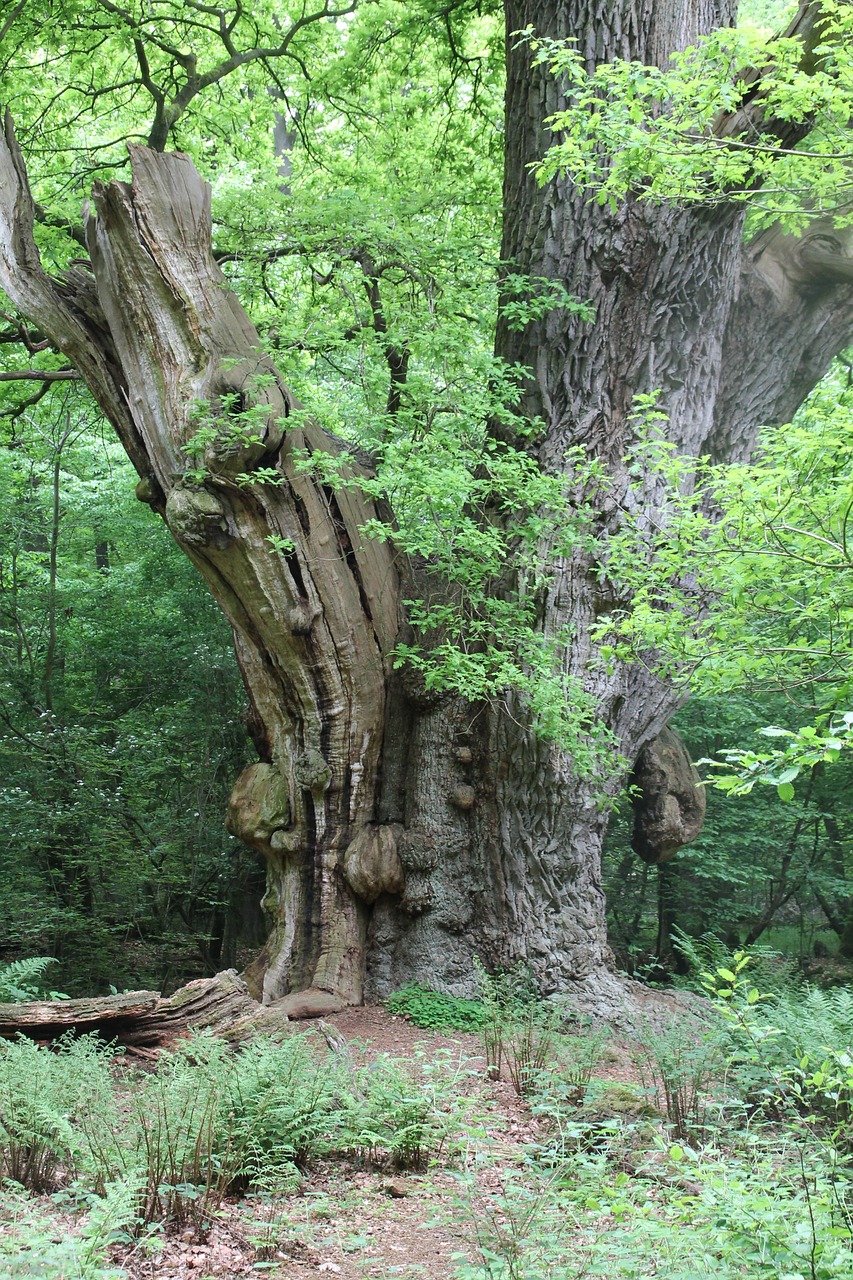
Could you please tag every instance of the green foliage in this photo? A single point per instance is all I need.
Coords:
(773, 972)
(524, 1034)
(792, 1054)
(517, 1234)
(758, 594)
(679, 1066)
(20, 980)
(166, 1146)
(434, 1010)
(654, 131)
(31, 1246)
(742, 1211)
(284, 1105)
(44, 1098)
(119, 727)
(405, 1113)
(805, 748)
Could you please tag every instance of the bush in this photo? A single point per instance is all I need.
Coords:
(404, 1113)
(678, 1067)
(284, 1105)
(31, 1246)
(435, 1011)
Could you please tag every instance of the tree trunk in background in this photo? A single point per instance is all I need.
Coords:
(405, 835)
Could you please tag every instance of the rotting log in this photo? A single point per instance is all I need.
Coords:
(144, 1019)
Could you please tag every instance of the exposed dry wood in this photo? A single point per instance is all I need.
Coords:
(155, 332)
(40, 375)
(140, 1019)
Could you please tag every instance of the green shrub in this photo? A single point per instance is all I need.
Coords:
(404, 1113)
(283, 1104)
(179, 1145)
(31, 1246)
(519, 1029)
(435, 1011)
(792, 1051)
(678, 1067)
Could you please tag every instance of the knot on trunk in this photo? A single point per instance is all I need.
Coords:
(372, 864)
(312, 771)
(670, 809)
(419, 857)
(245, 416)
(197, 517)
(148, 491)
(463, 796)
(259, 809)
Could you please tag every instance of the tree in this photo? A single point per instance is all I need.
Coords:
(412, 818)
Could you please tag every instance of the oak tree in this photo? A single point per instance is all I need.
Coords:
(427, 789)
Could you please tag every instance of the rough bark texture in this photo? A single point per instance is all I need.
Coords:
(156, 333)
(142, 1019)
(406, 834)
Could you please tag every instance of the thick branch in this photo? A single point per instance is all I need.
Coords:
(40, 375)
(751, 116)
(793, 313)
(827, 257)
(141, 1019)
(67, 312)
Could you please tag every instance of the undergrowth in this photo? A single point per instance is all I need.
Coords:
(732, 1157)
(209, 1121)
(435, 1011)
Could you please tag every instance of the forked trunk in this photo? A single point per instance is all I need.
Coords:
(406, 834)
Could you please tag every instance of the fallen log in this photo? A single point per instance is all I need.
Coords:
(144, 1019)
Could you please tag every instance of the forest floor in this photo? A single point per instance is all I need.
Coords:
(678, 1149)
(370, 1224)
(362, 1223)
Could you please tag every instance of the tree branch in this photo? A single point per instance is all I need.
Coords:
(7, 25)
(750, 115)
(67, 311)
(40, 375)
(397, 358)
(827, 257)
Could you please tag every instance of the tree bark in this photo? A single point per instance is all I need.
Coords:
(156, 333)
(406, 834)
(143, 1019)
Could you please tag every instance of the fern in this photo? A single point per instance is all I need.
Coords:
(20, 980)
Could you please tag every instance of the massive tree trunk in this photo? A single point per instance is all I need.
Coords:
(405, 833)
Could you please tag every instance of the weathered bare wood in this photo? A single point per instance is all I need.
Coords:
(46, 1019)
(157, 333)
(40, 375)
(143, 1019)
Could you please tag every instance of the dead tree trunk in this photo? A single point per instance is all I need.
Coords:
(405, 834)
(168, 353)
(145, 1020)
